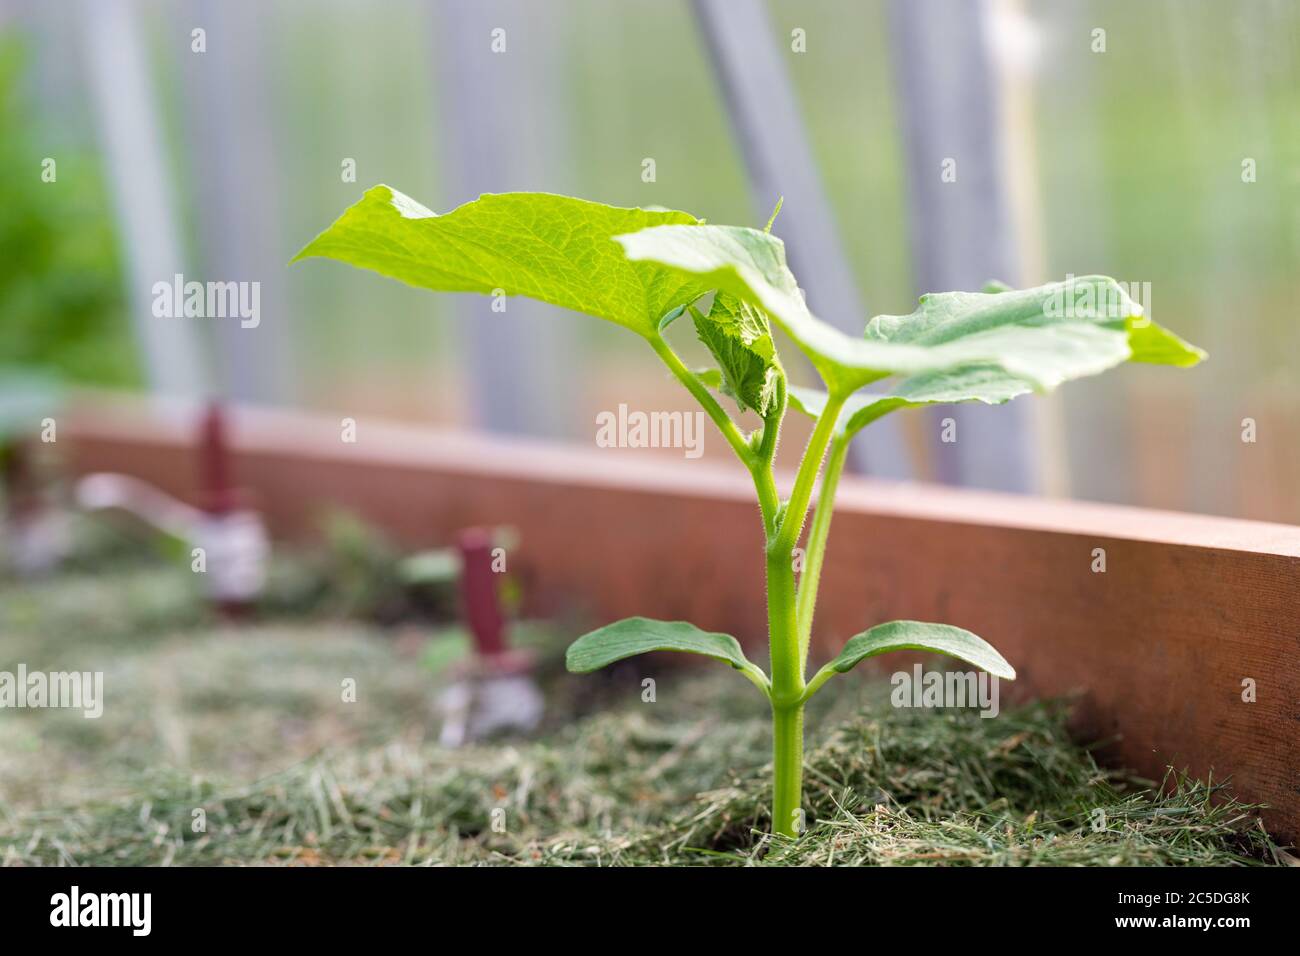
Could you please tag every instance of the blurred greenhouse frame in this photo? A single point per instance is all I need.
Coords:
(1163, 150)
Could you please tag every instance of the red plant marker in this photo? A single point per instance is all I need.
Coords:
(496, 690)
(478, 591)
(217, 495)
(233, 533)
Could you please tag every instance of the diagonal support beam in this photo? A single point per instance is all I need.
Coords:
(769, 128)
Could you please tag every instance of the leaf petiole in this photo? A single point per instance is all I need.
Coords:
(810, 579)
(758, 463)
(710, 405)
(797, 506)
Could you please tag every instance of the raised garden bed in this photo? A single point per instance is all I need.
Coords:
(1157, 646)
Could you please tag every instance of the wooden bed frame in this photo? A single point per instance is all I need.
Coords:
(1161, 646)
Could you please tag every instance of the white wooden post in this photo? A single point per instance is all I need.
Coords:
(142, 189)
(502, 131)
(961, 220)
(232, 151)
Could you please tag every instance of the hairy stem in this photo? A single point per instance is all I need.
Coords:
(810, 579)
(786, 689)
(772, 424)
(702, 395)
(769, 500)
(797, 508)
(782, 627)
(786, 695)
(787, 763)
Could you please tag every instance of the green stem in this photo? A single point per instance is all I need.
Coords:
(786, 689)
(797, 508)
(782, 628)
(772, 423)
(787, 763)
(701, 392)
(783, 633)
(769, 501)
(786, 695)
(810, 579)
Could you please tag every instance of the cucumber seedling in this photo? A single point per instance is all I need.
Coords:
(645, 270)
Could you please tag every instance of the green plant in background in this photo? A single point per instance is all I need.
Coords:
(645, 269)
(355, 571)
(61, 301)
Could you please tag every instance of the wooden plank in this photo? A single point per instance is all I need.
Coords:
(1158, 646)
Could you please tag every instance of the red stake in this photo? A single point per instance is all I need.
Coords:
(216, 492)
(218, 496)
(478, 591)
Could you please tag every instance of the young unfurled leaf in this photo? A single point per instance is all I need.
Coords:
(740, 339)
(539, 245)
(745, 377)
(915, 636)
(641, 635)
(1044, 336)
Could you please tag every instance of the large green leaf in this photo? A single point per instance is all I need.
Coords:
(950, 315)
(641, 635)
(946, 317)
(1043, 336)
(915, 636)
(539, 245)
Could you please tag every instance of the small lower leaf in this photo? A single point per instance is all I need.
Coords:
(641, 635)
(921, 636)
(914, 636)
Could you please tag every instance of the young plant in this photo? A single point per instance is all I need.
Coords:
(645, 270)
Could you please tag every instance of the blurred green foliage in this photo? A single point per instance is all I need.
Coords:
(357, 572)
(61, 301)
